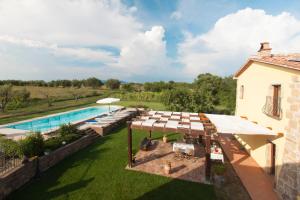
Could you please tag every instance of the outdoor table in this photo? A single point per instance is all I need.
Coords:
(183, 147)
(216, 154)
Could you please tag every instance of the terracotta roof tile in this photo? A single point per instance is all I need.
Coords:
(291, 61)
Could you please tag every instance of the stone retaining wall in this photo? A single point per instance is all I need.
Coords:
(25, 172)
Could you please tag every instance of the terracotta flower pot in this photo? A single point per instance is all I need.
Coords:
(167, 168)
(165, 139)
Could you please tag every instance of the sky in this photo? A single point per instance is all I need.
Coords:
(140, 40)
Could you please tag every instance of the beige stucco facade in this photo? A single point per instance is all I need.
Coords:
(257, 81)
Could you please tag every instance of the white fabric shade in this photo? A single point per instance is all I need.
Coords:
(236, 125)
(107, 100)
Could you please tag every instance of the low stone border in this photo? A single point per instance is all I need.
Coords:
(20, 175)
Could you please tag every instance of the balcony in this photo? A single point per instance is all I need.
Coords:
(271, 108)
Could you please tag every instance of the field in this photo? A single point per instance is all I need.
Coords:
(63, 100)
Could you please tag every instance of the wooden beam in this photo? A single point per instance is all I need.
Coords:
(207, 155)
(129, 144)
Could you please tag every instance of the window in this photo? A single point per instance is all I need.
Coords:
(272, 105)
(276, 100)
(242, 92)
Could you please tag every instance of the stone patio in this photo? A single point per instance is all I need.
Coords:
(153, 161)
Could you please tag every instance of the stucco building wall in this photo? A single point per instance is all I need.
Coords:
(257, 80)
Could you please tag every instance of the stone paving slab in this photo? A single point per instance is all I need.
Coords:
(153, 161)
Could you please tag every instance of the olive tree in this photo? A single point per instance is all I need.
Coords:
(6, 95)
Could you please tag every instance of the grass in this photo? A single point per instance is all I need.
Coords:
(98, 172)
(57, 92)
(152, 105)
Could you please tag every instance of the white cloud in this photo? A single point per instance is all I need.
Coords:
(176, 15)
(69, 22)
(224, 48)
(37, 37)
(75, 53)
(146, 53)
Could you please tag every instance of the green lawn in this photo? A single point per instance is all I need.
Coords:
(98, 172)
(152, 105)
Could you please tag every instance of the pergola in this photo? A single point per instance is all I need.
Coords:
(195, 125)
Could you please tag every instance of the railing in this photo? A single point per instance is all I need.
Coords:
(8, 163)
(271, 109)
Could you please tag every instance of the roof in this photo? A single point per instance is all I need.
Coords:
(230, 124)
(290, 61)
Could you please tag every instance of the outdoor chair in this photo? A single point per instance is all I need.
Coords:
(145, 144)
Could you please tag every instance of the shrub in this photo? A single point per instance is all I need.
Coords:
(10, 148)
(219, 169)
(53, 143)
(33, 145)
(68, 129)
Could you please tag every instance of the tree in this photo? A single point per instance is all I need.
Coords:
(128, 87)
(113, 84)
(75, 94)
(21, 97)
(178, 100)
(6, 95)
(93, 82)
(47, 96)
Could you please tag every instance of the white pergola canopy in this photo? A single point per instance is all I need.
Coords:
(229, 124)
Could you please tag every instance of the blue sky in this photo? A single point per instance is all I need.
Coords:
(140, 40)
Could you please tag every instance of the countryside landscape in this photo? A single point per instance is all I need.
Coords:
(149, 100)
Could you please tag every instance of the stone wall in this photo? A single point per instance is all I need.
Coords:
(25, 172)
(47, 161)
(288, 184)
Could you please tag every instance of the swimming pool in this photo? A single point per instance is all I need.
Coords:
(52, 122)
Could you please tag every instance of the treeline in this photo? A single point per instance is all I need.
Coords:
(209, 93)
(89, 82)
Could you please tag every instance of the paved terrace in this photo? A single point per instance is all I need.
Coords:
(255, 180)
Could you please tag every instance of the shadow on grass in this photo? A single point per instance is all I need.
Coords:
(178, 189)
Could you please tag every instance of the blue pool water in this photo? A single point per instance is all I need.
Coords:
(52, 122)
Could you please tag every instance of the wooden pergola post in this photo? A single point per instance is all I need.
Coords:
(207, 155)
(129, 144)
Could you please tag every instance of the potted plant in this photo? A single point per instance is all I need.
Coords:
(165, 138)
(218, 174)
(167, 167)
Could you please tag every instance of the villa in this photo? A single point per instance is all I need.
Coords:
(268, 92)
